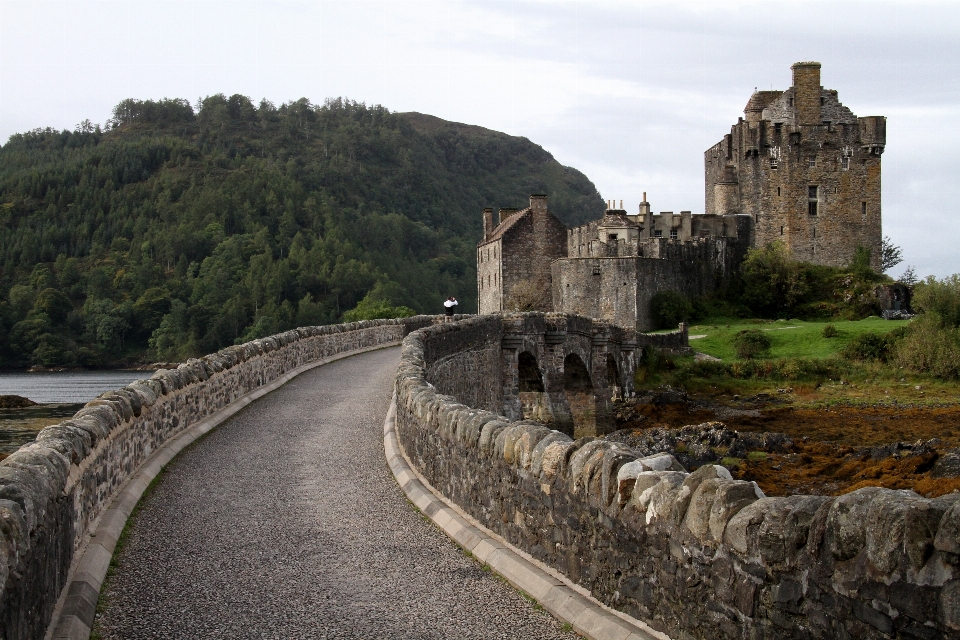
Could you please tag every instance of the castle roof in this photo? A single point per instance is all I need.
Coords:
(760, 99)
(505, 226)
(616, 218)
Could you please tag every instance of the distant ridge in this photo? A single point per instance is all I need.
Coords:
(182, 228)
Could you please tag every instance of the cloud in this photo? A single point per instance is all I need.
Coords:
(631, 93)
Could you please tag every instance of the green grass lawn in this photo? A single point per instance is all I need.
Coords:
(790, 338)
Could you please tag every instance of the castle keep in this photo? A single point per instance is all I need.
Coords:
(800, 168)
(805, 169)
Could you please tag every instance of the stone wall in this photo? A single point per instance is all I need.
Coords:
(53, 490)
(697, 555)
(620, 289)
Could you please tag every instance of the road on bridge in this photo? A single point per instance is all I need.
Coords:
(285, 522)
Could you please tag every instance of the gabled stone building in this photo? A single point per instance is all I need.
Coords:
(805, 169)
(513, 259)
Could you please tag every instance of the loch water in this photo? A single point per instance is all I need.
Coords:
(60, 394)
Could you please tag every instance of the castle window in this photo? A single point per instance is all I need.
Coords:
(673, 234)
(777, 128)
(596, 270)
(844, 163)
(781, 229)
(812, 161)
(778, 192)
(814, 233)
(773, 163)
(612, 237)
(821, 101)
(791, 102)
(863, 209)
(812, 200)
(658, 234)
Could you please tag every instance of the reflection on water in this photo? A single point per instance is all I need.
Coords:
(60, 393)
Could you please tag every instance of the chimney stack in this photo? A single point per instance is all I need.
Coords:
(806, 92)
(487, 222)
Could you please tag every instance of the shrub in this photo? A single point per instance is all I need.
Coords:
(751, 343)
(830, 331)
(940, 298)
(930, 348)
(873, 346)
(668, 309)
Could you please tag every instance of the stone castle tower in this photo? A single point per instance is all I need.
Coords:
(805, 169)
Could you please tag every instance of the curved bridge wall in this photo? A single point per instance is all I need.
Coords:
(54, 489)
(697, 555)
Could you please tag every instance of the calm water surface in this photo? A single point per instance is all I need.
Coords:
(60, 394)
(66, 386)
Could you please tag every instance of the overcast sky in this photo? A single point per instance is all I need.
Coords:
(630, 93)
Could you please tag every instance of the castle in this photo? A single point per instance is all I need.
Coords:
(801, 168)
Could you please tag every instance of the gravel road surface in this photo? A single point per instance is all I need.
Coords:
(285, 522)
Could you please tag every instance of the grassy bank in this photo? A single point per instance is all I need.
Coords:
(803, 367)
(789, 338)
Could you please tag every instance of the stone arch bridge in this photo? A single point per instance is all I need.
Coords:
(559, 369)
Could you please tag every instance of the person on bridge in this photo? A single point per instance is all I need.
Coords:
(449, 304)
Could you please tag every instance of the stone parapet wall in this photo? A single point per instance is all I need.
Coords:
(697, 555)
(53, 490)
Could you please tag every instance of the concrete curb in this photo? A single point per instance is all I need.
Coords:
(74, 614)
(566, 601)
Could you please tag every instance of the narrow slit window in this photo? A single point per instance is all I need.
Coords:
(863, 209)
(781, 229)
(812, 200)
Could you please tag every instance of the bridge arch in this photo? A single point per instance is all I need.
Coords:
(578, 391)
(534, 401)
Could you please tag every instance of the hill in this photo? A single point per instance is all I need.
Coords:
(180, 229)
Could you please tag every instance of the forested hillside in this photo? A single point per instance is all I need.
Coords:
(179, 230)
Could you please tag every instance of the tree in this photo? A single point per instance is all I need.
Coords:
(909, 277)
(772, 283)
(890, 255)
(668, 309)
